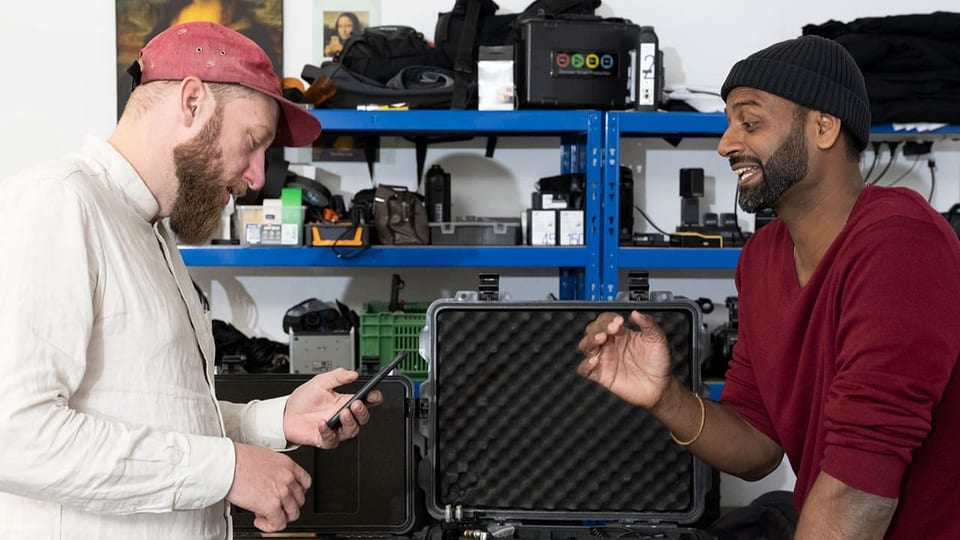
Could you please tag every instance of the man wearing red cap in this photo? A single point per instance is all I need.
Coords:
(109, 423)
(849, 330)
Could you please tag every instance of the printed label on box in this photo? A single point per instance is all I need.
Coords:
(290, 234)
(252, 233)
(271, 234)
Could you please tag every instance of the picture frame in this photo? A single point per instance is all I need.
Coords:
(138, 22)
(336, 20)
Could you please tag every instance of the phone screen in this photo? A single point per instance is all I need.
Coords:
(334, 421)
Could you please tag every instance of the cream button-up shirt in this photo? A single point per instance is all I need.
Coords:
(109, 424)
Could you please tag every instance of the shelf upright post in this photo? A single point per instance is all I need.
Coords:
(582, 153)
(610, 238)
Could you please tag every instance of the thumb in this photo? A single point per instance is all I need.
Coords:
(334, 378)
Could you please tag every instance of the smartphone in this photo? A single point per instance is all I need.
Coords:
(334, 421)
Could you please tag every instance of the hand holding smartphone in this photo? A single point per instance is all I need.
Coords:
(334, 421)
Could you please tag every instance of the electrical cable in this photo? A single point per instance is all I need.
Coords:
(876, 152)
(650, 221)
(905, 173)
(932, 165)
(893, 154)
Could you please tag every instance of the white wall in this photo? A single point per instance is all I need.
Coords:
(60, 85)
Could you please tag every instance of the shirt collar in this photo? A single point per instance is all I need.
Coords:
(120, 173)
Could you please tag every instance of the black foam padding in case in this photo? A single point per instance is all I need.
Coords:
(518, 429)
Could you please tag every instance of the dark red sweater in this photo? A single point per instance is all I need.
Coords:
(853, 373)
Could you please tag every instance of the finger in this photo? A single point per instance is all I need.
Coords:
(273, 521)
(302, 477)
(593, 341)
(374, 398)
(328, 436)
(298, 494)
(291, 509)
(360, 412)
(349, 426)
(334, 378)
(645, 323)
(588, 366)
(614, 325)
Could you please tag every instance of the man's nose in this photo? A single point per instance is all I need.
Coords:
(255, 175)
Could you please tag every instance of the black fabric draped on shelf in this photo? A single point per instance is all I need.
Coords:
(911, 63)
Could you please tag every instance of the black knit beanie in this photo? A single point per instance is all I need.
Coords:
(812, 71)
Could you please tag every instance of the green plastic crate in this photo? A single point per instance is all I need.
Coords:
(384, 333)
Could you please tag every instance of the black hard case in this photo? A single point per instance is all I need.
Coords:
(544, 80)
(364, 486)
(515, 435)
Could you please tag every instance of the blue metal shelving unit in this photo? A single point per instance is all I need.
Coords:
(581, 134)
(590, 143)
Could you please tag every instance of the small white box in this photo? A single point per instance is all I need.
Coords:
(543, 227)
(571, 227)
(272, 212)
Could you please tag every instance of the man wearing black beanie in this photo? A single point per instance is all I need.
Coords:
(849, 321)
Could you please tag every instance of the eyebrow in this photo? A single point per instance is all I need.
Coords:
(745, 103)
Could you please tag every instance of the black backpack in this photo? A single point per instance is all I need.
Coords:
(380, 52)
(419, 87)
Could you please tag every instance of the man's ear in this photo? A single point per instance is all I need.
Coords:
(192, 96)
(827, 130)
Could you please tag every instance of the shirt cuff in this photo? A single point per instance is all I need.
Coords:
(264, 423)
(209, 474)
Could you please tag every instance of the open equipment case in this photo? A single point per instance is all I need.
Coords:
(508, 441)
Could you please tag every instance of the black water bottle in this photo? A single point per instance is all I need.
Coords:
(438, 195)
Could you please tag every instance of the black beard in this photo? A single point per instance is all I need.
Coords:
(786, 167)
(199, 166)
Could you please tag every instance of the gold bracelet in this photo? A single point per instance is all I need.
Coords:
(703, 416)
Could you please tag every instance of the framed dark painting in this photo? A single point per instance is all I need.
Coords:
(138, 21)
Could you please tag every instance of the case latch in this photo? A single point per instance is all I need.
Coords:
(488, 288)
(639, 286)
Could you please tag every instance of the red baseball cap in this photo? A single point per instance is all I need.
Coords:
(214, 53)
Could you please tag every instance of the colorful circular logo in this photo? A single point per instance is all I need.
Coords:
(576, 60)
(563, 60)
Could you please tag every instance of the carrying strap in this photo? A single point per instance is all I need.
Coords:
(557, 7)
(465, 65)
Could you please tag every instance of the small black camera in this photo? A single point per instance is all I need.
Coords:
(316, 316)
(722, 340)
